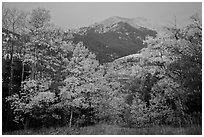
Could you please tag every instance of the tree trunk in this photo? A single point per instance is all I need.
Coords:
(11, 71)
(70, 120)
(22, 73)
(26, 124)
(10, 90)
(33, 65)
(8, 117)
(33, 71)
(11, 65)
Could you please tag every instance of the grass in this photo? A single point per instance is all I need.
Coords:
(104, 129)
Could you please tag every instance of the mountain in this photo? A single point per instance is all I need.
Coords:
(134, 22)
(114, 37)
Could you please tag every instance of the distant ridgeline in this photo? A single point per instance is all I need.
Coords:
(113, 38)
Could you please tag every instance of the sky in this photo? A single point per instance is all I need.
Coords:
(69, 15)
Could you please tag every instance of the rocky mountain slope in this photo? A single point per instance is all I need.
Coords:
(114, 37)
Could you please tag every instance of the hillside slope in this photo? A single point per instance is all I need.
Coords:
(113, 38)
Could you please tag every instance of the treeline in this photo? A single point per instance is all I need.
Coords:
(49, 81)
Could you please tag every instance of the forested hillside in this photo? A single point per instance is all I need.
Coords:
(49, 81)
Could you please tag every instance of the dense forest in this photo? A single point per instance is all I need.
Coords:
(47, 80)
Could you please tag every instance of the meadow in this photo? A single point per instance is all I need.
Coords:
(104, 129)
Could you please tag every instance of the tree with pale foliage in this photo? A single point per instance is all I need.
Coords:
(79, 83)
(47, 54)
(176, 62)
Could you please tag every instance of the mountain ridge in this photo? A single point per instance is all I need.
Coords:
(136, 22)
(113, 38)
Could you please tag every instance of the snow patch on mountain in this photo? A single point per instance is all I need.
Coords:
(132, 57)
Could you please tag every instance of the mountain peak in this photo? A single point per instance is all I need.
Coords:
(114, 19)
(136, 22)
